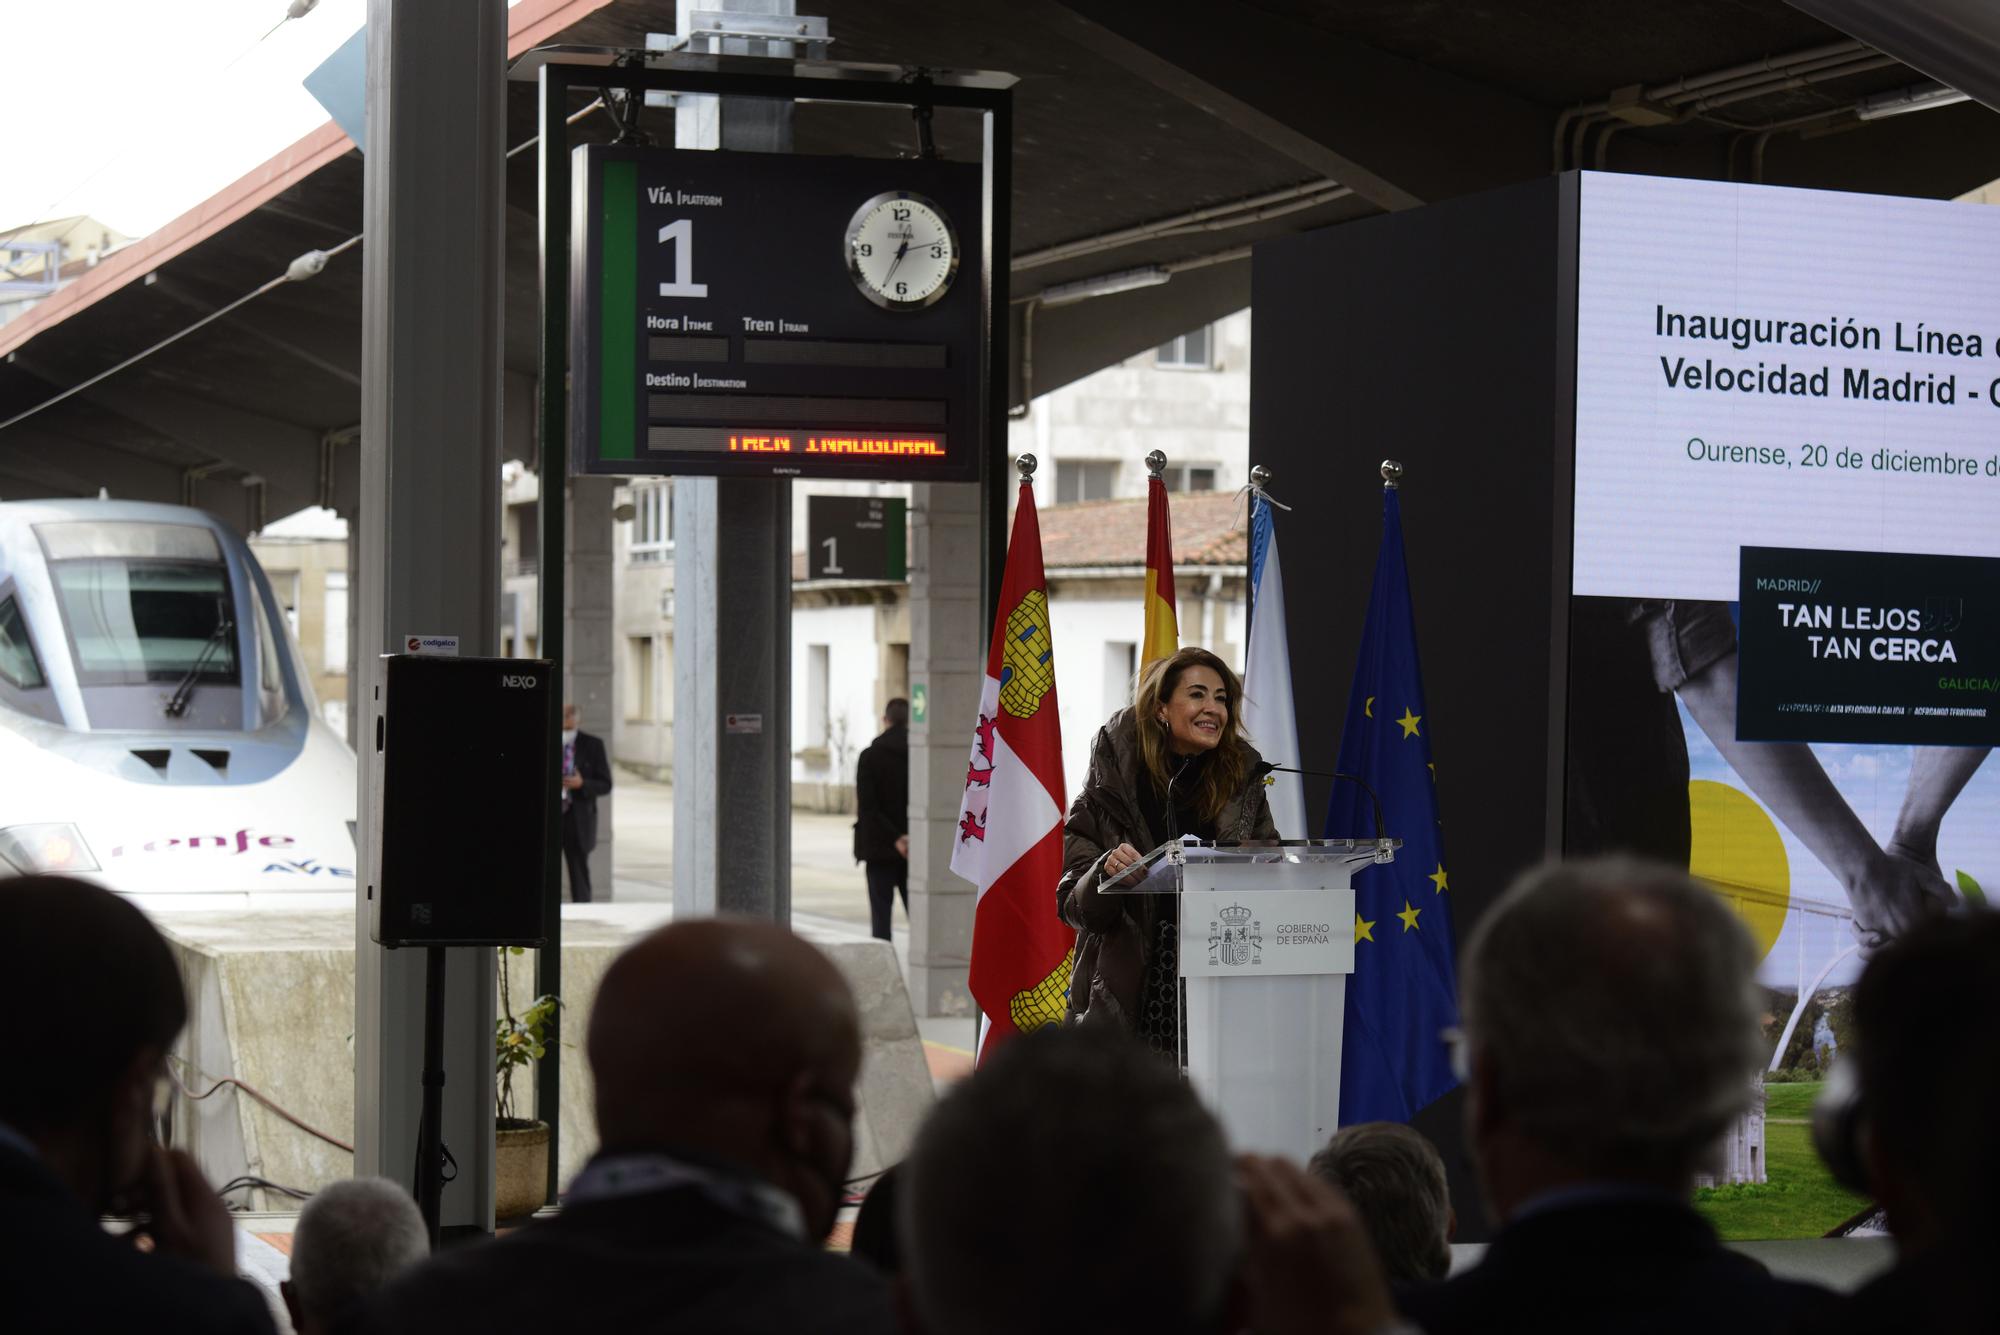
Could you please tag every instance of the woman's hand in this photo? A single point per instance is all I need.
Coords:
(1119, 863)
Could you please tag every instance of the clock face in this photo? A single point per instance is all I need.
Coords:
(901, 251)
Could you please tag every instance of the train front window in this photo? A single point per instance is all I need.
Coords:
(137, 621)
(17, 656)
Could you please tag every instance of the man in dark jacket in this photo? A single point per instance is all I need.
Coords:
(1610, 1038)
(724, 1055)
(586, 776)
(74, 1132)
(882, 816)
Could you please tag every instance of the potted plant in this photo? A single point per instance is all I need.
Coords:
(521, 1144)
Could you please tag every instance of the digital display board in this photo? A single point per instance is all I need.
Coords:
(763, 314)
(1785, 612)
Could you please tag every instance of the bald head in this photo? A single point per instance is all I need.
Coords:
(734, 1038)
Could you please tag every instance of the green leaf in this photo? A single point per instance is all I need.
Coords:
(1970, 889)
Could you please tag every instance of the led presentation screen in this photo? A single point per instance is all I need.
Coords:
(1785, 623)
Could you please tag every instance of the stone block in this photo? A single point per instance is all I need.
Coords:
(272, 1004)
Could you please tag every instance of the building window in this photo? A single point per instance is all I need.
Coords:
(1084, 479)
(652, 524)
(333, 628)
(818, 674)
(526, 539)
(1121, 665)
(1189, 477)
(1192, 351)
(639, 686)
(285, 583)
(895, 673)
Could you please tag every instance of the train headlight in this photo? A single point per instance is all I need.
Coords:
(45, 848)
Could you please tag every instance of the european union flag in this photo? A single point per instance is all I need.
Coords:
(1404, 989)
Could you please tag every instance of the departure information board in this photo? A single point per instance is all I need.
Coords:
(765, 314)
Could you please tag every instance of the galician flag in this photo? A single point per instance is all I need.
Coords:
(1010, 825)
(1404, 989)
(1163, 633)
(1266, 712)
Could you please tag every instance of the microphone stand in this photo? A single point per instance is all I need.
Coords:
(1381, 832)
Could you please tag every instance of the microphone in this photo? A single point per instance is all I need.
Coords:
(1380, 832)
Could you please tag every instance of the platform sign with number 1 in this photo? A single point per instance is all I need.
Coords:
(856, 537)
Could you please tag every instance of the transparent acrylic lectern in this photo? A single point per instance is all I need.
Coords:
(1266, 944)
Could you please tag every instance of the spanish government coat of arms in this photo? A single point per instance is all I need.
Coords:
(1235, 938)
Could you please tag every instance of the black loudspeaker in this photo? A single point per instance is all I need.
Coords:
(462, 775)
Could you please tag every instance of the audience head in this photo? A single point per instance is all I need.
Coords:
(108, 1003)
(875, 1225)
(1069, 1157)
(352, 1238)
(735, 1038)
(897, 713)
(569, 717)
(1611, 1025)
(1396, 1180)
(1928, 1082)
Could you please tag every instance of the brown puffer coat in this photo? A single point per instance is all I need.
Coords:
(1112, 930)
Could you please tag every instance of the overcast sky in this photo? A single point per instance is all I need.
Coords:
(134, 111)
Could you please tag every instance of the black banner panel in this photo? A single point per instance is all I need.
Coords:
(776, 315)
(1868, 647)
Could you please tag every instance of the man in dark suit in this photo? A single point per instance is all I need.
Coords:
(882, 816)
(75, 1141)
(724, 1055)
(586, 776)
(1610, 1038)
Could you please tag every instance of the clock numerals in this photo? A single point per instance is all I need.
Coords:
(901, 251)
(680, 235)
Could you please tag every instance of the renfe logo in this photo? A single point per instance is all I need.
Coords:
(518, 683)
(240, 842)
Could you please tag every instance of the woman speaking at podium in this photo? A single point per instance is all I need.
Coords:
(1173, 764)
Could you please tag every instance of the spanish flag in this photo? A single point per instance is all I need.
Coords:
(1163, 633)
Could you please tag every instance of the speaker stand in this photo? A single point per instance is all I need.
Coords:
(430, 1130)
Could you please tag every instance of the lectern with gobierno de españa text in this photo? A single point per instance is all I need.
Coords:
(1266, 944)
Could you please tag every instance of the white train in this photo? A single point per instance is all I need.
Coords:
(157, 731)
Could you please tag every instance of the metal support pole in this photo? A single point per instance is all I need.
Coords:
(552, 467)
(733, 619)
(428, 554)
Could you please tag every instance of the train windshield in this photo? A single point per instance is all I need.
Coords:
(143, 602)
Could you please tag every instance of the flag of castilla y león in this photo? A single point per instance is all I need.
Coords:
(1010, 825)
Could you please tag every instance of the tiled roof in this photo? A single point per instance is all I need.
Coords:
(1207, 529)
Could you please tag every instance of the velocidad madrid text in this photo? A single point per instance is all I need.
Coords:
(1742, 332)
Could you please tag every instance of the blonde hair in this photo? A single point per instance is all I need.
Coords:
(1229, 764)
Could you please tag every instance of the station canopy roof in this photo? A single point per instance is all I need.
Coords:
(1148, 134)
